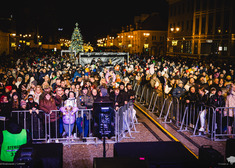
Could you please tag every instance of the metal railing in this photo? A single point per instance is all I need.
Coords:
(222, 123)
(42, 128)
(187, 116)
(32, 122)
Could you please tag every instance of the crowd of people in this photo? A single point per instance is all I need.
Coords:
(40, 85)
(52, 82)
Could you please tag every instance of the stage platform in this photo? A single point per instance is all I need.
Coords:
(150, 129)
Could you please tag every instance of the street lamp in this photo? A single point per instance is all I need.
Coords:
(146, 34)
(174, 42)
(177, 29)
(146, 45)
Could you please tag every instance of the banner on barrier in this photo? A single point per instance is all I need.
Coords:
(107, 58)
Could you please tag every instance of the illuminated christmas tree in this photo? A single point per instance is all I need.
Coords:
(76, 40)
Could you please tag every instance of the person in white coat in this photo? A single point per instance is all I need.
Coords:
(230, 102)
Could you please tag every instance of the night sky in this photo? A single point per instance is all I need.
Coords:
(95, 18)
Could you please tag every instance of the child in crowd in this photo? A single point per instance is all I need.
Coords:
(69, 109)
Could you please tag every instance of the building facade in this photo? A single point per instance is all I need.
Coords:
(4, 42)
(151, 42)
(147, 36)
(199, 28)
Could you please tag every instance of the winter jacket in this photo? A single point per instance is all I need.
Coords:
(68, 116)
(47, 106)
(131, 93)
(192, 97)
(217, 101)
(230, 102)
(85, 101)
(5, 109)
(178, 92)
(202, 100)
(31, 105)
(117, 99)
(153, 82)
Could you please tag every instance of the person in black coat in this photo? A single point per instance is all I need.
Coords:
(191, 96)
(123, 93)
(117, 99)
(218, 100)
(37, 127)
(5, 107)
(202, 98)
(130, 93)
(103, 96)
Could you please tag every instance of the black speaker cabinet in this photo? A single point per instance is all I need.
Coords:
(119, 163)
(157, 154)
(230, 148)
(41, 155)
(209, 156)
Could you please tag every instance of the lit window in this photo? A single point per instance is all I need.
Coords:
(146, 34)
(146, 45)
(220, 48)
(13, 44)
(174, 42)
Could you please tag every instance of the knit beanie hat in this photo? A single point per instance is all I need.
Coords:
(104, 92)
(9, 88)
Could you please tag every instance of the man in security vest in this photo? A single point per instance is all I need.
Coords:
(11, 139)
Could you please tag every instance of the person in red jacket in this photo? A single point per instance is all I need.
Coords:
(47, 104)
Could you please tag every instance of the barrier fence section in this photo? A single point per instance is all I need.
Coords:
(196, 117)
(33, 122)
(50, 127)
(224, 123)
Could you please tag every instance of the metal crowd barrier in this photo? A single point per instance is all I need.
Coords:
(165, 106)
(42, 129)
(196, 117)
(205, 116)
(221, 123)
(126, 120)
(83, 118)
(34, 123)
(186, 116)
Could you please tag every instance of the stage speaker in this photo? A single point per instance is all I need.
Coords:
(40, 155)
(104, 122)
(157, 154)
(230, 146)
(119, 163)
(209, 157)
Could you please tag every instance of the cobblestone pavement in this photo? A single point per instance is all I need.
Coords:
(81, 155)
